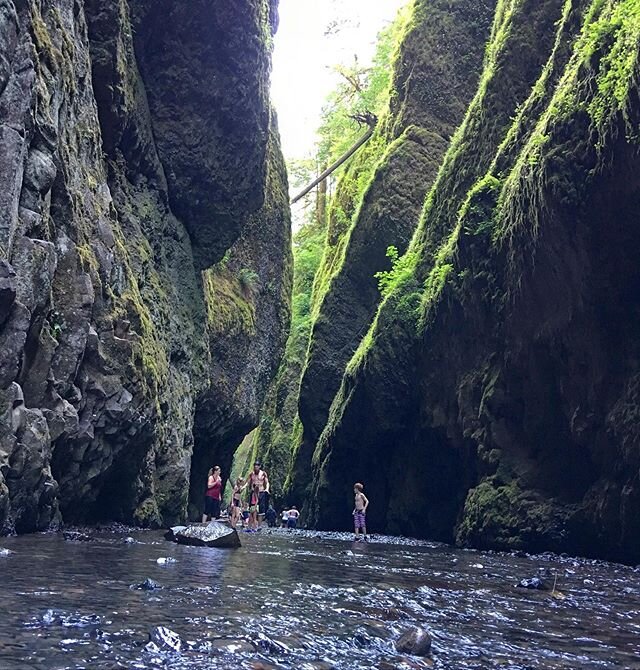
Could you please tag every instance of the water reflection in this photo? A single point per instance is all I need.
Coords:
(294, 600)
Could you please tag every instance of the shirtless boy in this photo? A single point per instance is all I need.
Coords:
(360, 511)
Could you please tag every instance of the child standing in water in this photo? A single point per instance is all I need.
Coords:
(253, 507)
(245, 515)
(236, 501)
(360, 511)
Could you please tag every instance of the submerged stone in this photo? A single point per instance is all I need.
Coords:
(213, 534)
(147, 585)
(414, 641)
(164, 560)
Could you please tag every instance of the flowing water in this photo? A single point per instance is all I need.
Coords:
(307, 600)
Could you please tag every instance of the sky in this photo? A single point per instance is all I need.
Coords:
(313, 36)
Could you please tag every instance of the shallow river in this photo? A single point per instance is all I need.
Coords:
(296, 600)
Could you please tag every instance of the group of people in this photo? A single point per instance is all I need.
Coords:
(247, 508)
(257, 506)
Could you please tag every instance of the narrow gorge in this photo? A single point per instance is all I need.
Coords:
(455, 324)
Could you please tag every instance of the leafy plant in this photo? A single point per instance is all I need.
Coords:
(402, 268)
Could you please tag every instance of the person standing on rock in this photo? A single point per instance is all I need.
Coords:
(213, 495)
(258, 478)
(360, 511)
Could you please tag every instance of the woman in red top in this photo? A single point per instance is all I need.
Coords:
(213, 496)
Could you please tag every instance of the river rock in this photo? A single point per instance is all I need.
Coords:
(147, 585)
(165, 639)
(535, 583)
(171, 533)
(76, 536)
(415, 641)
(213, 534)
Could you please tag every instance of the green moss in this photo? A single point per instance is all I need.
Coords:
(150, 349)
(230, 302)
(243, 459)
(147, 515)
(49, 53)
(612, 41)
(279, 432)
(506, 517)
(88, 259)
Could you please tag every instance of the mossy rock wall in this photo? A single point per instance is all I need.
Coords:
(122, 178)
(492, 400)
(436, 72)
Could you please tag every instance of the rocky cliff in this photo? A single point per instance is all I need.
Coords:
(377, 204)
(494, 399)
(143, 222)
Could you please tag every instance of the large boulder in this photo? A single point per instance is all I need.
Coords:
(213, 534)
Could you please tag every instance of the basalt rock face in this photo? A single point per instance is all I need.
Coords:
(435, 75)
(494, 400)
(122, 178)
(248, 325)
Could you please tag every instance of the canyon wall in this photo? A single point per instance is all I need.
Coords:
(138, 153)
(493, 401)
(482, 382)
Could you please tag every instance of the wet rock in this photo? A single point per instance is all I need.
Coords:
(214, 534)
(362, 640)
(165, 560)
(165, 639)
(534, 583)
(171, 533)
(414, 641)
(147, 585)
(269, 645)
(233, 645)
(76, 536)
